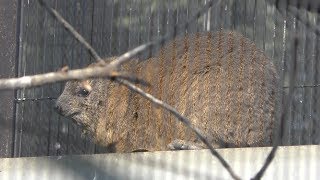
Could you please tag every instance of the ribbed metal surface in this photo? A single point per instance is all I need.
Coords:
(295, 162)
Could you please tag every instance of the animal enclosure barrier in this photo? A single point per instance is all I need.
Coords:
(287, 32)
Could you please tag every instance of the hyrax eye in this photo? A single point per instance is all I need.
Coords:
(83, 92)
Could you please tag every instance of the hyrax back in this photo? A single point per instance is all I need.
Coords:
(221, 81)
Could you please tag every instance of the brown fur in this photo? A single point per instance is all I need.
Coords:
(221, 81)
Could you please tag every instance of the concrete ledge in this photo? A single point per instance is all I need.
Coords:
(294, 162)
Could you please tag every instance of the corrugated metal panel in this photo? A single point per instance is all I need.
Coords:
(295, 162)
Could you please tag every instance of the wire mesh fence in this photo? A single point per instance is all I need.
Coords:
(287, 31)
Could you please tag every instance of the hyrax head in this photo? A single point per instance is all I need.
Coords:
(82, 102)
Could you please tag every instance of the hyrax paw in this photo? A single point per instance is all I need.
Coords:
(179, 144)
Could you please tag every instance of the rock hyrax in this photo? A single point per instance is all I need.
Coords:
(220, 80)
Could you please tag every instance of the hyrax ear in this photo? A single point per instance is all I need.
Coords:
(85, 84)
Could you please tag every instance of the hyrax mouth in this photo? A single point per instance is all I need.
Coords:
(73, 118)
(85, 128)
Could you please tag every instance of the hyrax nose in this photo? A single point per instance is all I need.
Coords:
(58, 108)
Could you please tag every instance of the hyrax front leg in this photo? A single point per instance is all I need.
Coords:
(179, 144)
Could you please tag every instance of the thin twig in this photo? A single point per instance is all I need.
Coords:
(316, 29)
(183, 119)
(70, 28)
(19, 100)
(177, 30)
(126, 56)
(302, 86)
(272, 153)
(283, 115)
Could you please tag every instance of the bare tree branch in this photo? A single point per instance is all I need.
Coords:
(77, 74)
(52, 77)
